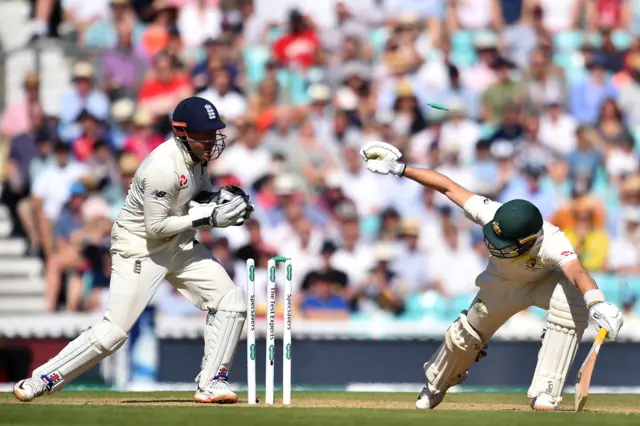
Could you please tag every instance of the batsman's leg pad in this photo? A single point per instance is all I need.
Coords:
(222, 332)
(458, 351)
(566, 323)
(90, 347)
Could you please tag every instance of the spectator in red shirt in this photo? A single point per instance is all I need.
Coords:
(298, 48)
(165, 86)
(611, 14)
(91, 127)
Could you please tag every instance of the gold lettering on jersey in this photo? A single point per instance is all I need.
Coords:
(529, 262)
(496, 228)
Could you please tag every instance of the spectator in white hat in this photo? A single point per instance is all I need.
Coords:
(83, 95)
(121, 124)
(481, 75)
(320, 112)
(411, 262)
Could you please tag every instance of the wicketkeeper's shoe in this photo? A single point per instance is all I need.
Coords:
(430, 397)
(28, 389)
(545, 402)
(219, 392)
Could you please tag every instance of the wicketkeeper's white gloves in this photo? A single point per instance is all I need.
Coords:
(606, 315)
(223, 215)
(382, 158)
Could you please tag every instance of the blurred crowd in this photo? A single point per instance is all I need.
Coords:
(543, 99)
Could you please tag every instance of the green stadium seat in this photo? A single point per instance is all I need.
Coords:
(255, 59)
(594, 39)
(575, 75)
(378, 39)
(486, 130)
(610, 284)
(538, 312)
(621, 39)
(463, 58)
(429, 303)
(462, 40)
(274, 34)
(568, 40)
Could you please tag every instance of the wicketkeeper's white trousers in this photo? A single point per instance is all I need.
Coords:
(191, 269)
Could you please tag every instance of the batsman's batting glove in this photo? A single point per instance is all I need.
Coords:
(218, 215)
(382, 158)
(606, 315)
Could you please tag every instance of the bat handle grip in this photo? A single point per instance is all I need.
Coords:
(602, 333)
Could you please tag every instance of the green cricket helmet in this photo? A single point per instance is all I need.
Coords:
(513, 230)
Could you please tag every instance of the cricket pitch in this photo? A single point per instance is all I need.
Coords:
(308, 408)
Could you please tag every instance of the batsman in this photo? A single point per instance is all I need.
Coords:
(153, 239)
(531, 263)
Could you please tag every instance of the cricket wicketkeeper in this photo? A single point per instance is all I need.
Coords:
(532, 263)
(153, 239)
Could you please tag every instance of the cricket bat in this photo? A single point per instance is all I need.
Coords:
(586, 370)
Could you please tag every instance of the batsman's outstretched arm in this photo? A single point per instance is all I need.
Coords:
(384, 158)
(439, 182)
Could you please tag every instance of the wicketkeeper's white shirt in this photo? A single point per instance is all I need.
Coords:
(154, 216)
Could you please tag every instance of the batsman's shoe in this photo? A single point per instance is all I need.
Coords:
(545, 402)
(219, 392)
(430, 397)
(28, 389)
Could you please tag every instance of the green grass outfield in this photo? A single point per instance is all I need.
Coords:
(70, 408)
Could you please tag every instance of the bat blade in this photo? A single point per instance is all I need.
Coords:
(586, 370)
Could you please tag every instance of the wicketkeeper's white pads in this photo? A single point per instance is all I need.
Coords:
(89, 348)
(221, 334)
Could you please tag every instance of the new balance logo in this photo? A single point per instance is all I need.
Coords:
(210, 111)
(137, 267)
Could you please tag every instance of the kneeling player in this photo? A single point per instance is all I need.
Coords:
(532, 263)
